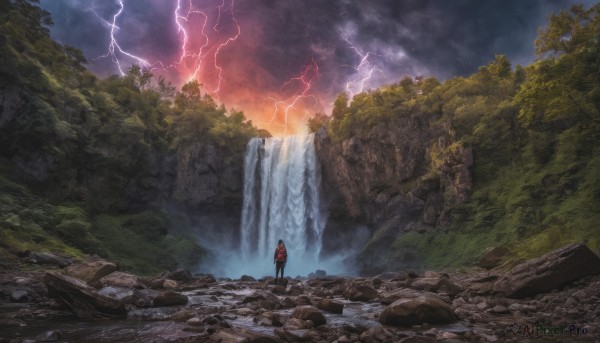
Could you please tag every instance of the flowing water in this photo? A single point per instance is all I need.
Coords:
(282, 201)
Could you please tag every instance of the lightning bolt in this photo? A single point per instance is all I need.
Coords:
(305, 80)
(222, 45)
(365, 68)
(114, 47)
(193, 55)
(210, 46)
(179, 19)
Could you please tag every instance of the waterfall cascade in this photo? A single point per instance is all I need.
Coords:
(281, 201)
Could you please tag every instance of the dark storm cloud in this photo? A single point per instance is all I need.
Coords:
(410, 37)
(85, 24)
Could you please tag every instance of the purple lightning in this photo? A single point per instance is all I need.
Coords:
(114, 46)
(365, 68)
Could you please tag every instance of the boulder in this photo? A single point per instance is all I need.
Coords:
(182, 316)
(493, 257)
(181, 275)
(226, 337)
(360, 291)
(121, 279)
(302, 300)
(247, 278)
(91, 271)
(301, 335)
(170, 298)
(278, 289)
(330, 305)
(263, 299)
(82, 299)
(168, 283)
(119, 293)
(308, 312)
(436, 284)
(402, 293)
(19, 296)
(320, 273)
(548, 272)
(422, 309)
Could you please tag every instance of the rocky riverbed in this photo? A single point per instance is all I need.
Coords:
(552, 298)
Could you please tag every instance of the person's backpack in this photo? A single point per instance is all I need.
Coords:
(281, 253)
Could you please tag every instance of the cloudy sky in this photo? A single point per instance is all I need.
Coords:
(282, 60)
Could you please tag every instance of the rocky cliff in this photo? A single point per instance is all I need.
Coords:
(204, 179)
(393, 179)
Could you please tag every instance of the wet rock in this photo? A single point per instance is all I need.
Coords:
(402, 293)
(333, 283)
(308, 312)
(156, 283)
(152, 314)
(499, 309)
(19, 296)
(417, 339)
(180, 275)
(377, 334)
(278, 289)
(294, 324)
(283, 282)
(330, 305)
(121, 279)
(8, 322)
(302, 300)
(195, 321)
(205, 278)
(119, 293)
(287, 302)
(170, 298)
(360, 291)
(91, 271)
(550, 271)
(47, 258)
(170, 284)
(268, 319)
(182, 316)
(247, 278)
(320, 273)
(418, 310)
(226, 337)
(82, 299)
(244, 311)
(295, 290)
(301, 335)
(436, 284)
(263, 299)
(492, 257)
(49, 336)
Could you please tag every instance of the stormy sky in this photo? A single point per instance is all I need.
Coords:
(268, 51)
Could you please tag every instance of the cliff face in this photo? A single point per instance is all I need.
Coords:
(205, 180)
(395, 178)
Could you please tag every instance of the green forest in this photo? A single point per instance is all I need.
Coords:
(88, 145)
(534, 131)
(80, 155)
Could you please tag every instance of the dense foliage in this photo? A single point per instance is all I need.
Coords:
(534, 131)
(94, 150)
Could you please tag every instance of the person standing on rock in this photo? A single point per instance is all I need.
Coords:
(279, 259)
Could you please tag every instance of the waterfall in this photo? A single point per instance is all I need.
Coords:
(281, 201)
